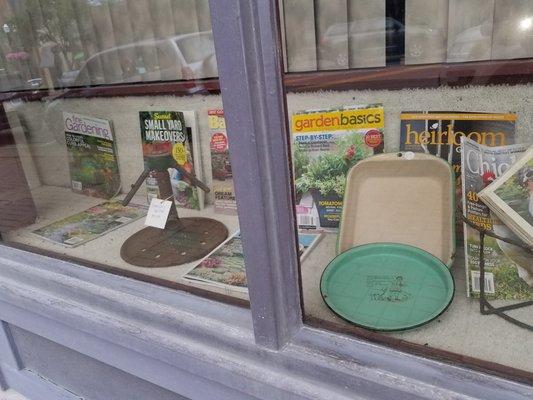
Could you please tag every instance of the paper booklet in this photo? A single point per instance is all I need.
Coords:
(508, 268)
(224, 267)
(90, 224)
(510, 197)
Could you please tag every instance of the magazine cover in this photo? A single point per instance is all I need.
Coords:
(326, 144)
(225, 265)
(90, 224)
(223, 190)
(92, 156)
(507, 267)
(439, 133)
(172, 137)
(510, 197)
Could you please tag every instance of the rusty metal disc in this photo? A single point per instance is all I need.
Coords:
(179, 243)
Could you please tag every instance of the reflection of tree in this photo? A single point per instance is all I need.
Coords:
(47, 21)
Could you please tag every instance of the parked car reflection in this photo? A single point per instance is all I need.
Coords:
(182, 57)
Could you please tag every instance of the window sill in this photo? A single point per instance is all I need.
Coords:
(169, 338)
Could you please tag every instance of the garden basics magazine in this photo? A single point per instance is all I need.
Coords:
(508, 268)
(170, 137)
(326, 144)
(92, 157)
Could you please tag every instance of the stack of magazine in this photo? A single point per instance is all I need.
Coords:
(510, 197)
(508, 268)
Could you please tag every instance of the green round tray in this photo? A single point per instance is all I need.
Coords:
(387, 286)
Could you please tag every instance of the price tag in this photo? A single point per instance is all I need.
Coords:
(158, 213)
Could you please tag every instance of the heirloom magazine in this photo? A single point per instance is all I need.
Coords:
(326, 144)
(92, 157)
(439, 133)
(508, 268)
(172, 137)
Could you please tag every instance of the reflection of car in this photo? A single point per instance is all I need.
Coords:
(376, 33)
(472, 44)
(189, 56)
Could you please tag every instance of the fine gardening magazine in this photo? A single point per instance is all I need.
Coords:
(508, 268)
(326, 144)
(92, 157)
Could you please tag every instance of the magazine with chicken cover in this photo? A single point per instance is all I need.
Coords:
(508, 268)
(510, 197)
(326, 144)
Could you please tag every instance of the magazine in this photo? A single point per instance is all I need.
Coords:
(170, 137)
(510, 197)
(327, 143)
(225, 265)
(92, 156)
(223, 189)
(90, 224)
(439, 133)
(507, 266)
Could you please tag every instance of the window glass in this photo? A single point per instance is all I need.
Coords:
(381, 182)
(134, 179)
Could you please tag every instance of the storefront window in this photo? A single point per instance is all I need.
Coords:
(114, 146)
(382, 177)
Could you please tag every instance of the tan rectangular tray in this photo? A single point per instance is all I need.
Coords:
(403, 198)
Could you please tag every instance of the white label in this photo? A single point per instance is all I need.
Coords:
(76, 185)
(476, 282)
(409, 155)
(158, 213)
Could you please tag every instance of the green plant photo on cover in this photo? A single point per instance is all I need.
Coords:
(327, 173)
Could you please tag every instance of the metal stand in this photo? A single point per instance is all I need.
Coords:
(484, 306)
(183, 239)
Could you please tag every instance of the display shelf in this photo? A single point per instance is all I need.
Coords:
(54, 203)
(461, 330)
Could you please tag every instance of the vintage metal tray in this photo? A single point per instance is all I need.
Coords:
(387, 286)
(403, 198)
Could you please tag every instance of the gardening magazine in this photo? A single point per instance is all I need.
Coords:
(223, 189)
(172, 137)
(92, 157)
(508, 268)
(224, 267)
(439, 133)
(326, 144)
(90, 224)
